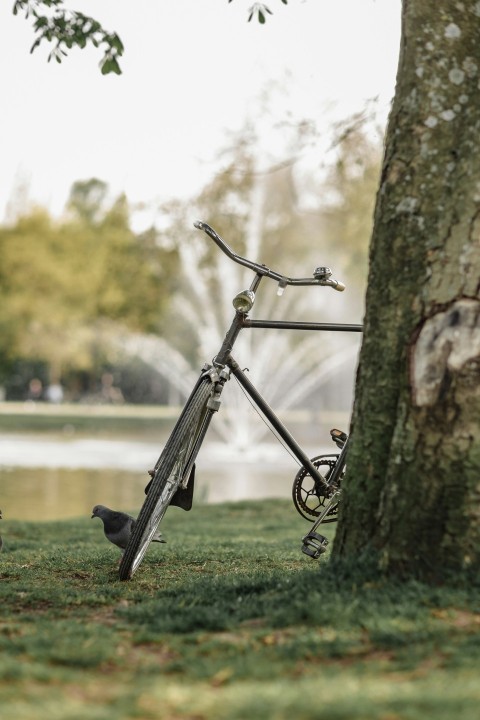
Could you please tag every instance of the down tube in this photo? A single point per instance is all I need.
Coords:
(276, 423)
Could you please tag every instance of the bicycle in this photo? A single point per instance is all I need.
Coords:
(315, 493)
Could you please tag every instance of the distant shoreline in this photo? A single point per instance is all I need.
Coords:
(65, 410)
(29, 408)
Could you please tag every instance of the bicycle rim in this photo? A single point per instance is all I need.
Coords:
(168, 475)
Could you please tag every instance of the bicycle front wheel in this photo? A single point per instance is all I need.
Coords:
(170, 469)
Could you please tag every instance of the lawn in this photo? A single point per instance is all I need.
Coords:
(228, 620)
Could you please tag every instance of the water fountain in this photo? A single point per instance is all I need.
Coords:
(286, 368)
(285, 383)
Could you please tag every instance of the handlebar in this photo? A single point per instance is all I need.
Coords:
(263, 269)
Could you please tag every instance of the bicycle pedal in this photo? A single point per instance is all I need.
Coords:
(314, 545)
(338, 437)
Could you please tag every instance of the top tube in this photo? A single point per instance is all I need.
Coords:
(283, 280)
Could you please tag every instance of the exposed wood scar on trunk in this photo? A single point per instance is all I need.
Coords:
(447, 341)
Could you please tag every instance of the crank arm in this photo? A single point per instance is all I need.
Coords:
(314, 544)
(328, 506)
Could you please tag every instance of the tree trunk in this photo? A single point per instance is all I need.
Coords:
(412, 489)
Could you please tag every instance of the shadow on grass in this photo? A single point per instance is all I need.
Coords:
(332, 613)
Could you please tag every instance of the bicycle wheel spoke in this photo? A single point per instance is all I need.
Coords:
(169, 473)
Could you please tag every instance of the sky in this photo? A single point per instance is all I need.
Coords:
(194, 71)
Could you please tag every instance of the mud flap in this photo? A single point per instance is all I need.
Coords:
(183, 498)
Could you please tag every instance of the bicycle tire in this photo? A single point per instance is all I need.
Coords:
(167, 478)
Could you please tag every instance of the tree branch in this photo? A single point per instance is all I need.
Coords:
(66, 29)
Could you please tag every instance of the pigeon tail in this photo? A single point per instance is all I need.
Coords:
(158, 538)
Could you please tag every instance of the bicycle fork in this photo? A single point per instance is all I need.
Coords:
(183, 496)
(218, 378)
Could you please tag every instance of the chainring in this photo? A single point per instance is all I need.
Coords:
(309, 496)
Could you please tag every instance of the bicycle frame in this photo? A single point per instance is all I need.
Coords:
(174, 472)
(224, 359)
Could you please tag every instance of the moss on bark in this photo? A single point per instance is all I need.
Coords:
(413, 481)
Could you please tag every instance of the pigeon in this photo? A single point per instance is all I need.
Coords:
(118, 526)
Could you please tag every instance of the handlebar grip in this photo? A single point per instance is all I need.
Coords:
(218, 240)
(339, 286)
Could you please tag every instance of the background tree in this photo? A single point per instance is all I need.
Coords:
(73, 290)
(412, 490)
(65, 284)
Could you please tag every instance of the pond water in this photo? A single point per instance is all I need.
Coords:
(63, 469)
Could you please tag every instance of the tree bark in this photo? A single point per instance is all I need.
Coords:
(412, 488)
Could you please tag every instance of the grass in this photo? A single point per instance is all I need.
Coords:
(227, 621)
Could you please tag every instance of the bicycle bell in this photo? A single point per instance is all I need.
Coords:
(322, 273)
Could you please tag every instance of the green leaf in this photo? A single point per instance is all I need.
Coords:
(110, 65)
(116, 43)
(40, 22)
